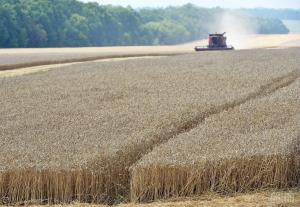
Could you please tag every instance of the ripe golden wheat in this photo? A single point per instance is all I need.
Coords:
(72, 134)
(252, 146)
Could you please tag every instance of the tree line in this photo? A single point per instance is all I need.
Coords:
(71, 23)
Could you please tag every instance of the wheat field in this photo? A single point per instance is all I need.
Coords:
(74, 133)
(252, 146)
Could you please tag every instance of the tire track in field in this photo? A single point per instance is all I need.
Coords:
(122, 161)
(264, 90)
(117, 179)
(123, 181)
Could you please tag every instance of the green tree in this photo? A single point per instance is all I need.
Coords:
(59, 23)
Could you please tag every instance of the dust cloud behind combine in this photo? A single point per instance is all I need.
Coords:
(237, 29)
(242, 33)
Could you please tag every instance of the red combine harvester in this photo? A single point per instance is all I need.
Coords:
(215, 42)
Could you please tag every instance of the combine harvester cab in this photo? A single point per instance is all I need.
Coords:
(215, 42)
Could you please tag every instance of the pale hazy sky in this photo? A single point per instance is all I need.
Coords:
(205, 3)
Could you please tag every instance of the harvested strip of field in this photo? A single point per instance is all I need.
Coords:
(273, 40)
(71, 134)
(254, 145)
(20, 58)
(43, 68)
(60, 59)
(265, 41)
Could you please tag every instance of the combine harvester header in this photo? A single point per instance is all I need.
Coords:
(215, 42)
